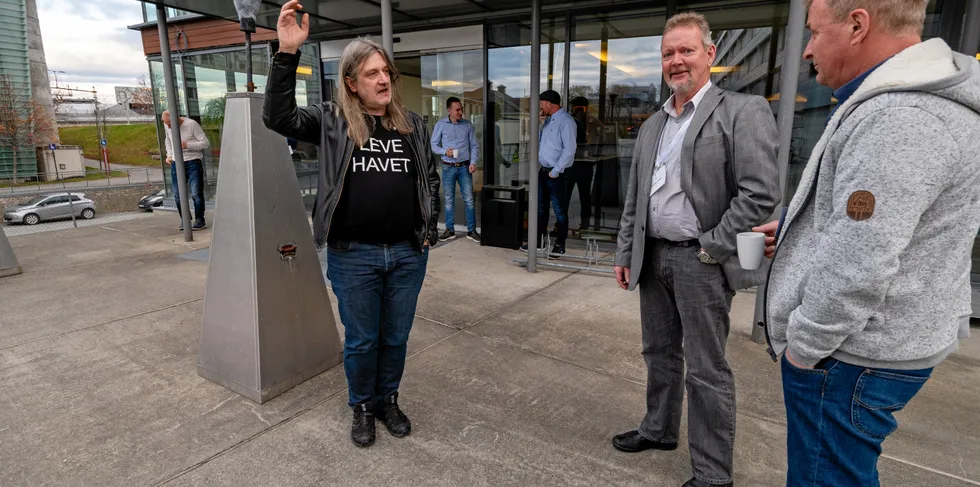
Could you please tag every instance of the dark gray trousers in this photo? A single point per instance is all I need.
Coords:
(684, 307)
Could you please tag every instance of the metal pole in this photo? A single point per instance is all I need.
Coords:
(532, 206)
(789, 81)
(54, 159)
(249, 86)
(566, 65)
(168, 81)
(386, 34)
(970, 43)
(71, 208)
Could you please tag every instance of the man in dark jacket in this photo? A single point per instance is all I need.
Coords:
(376, 209)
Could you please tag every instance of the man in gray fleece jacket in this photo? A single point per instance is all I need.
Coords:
(869, 286)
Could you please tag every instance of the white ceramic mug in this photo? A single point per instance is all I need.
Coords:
(751, 249)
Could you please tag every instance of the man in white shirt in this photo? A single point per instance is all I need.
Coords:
(194, 143)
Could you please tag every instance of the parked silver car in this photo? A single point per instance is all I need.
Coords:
(51, 207)
(151, 201)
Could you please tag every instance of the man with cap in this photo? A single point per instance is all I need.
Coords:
(556, 152)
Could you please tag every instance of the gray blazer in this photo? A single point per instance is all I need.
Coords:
(729, 172)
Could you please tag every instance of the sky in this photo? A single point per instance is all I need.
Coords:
(89, 41)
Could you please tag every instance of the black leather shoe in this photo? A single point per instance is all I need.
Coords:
(362, 429)
(395, 420)
(698, 483)
(633, 442)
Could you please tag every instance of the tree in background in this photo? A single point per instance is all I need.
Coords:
(142, 98)
(22, 121)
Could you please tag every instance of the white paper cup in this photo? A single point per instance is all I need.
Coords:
(751, 249)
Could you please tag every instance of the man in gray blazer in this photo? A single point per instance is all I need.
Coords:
(704, 169)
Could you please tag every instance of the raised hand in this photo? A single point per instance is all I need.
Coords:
(291, 34)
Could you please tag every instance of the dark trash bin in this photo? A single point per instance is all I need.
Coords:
(503, 222)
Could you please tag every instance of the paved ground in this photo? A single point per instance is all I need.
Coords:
(513, 379)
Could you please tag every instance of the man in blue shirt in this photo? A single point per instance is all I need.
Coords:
(556, 152)
(455, 140)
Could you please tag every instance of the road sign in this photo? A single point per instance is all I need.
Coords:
(104, 143)
(53, 146)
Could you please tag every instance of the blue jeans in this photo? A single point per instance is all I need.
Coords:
(377, 288)
(450, 175)
(837, 417)
(194, 171)
(552, 189)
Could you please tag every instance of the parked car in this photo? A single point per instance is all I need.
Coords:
(151, 201)
(51, 207)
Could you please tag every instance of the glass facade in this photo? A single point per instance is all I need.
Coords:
(607, 63)
(150, 12)
(203, 80)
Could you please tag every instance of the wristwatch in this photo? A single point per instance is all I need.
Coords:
(705, 258)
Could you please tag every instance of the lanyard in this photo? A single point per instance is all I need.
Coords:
(679, 136)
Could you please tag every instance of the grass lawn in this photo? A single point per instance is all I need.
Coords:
(92, 175)
(128, 144)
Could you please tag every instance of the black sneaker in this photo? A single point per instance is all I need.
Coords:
(362, 428)
(556, 252)
(199, 225)
(395, 420)
(540, 247)
(447, 235)
(474, 236)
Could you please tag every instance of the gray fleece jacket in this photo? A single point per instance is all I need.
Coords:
(872, 266)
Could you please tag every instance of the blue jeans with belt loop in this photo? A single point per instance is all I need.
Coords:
(377, 289)
(837, 416)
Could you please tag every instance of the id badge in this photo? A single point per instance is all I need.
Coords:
(659, 178)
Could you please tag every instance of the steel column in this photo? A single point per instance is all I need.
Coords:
(788, 83)
(268, 324)
(168, 81)
(532, 204)
(386, 29)
(566, 66)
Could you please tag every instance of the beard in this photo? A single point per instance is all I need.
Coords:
(682, 87)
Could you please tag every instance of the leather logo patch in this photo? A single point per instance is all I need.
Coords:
(861, 205)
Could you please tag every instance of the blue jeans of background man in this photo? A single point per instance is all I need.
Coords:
(194, 171)
(837, 417)
(552, 189)
(450, 175)
(377, 289)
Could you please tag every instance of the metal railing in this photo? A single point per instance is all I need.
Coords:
(66, 180)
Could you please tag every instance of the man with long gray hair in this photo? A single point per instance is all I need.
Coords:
(376, 211)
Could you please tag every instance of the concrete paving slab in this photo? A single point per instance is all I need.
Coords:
(588, 321)
(122, 404)
(39, 304)
(484, 413)
(468, 282)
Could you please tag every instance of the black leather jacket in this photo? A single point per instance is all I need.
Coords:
(324, 125)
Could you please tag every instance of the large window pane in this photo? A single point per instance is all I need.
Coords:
(508, 80)
(614, 85)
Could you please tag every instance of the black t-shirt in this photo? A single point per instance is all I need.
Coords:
(379, 200)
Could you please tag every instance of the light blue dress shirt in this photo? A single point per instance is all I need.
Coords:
(556, 149)
(460, 137)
